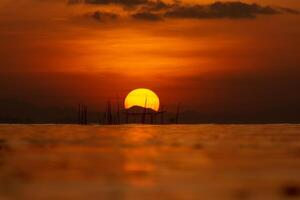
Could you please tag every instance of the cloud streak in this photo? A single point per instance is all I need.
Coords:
(159, 10)
(234, 10)
(148, 16)
(104, 16)
(127, 3)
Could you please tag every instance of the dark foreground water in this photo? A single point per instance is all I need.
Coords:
(260, 162)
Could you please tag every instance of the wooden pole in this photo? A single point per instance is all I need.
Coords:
(82, 114)
(85, 115)
(144, 112)
(177, 114)
(105, 116)
(126, 116)
(152, 118)
(109, 114)
(79, 114)
(99, 118)
(162, 115)
(118, 111)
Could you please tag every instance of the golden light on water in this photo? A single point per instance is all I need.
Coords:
(142, 97)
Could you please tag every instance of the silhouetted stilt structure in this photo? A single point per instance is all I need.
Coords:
(145, 116)
(113, 116)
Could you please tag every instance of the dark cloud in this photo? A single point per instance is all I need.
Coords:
(233, 10)
(157, 10)
(103, 16)
(75, 1)
(156, 6)
(289, 10)
(127, 3)
(147, 16)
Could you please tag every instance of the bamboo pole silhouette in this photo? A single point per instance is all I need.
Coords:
(85, 114)
(104, 116)
(82, 114)
(118, 111)
(151, 118)
(162, 115)
(126, 116)
(109, 114)
(99, 118)
(144, 112)
(79, 114)
(177, 113)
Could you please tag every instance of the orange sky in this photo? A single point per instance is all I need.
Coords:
(55, 54)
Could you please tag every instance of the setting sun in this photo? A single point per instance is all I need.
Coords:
(143, 98)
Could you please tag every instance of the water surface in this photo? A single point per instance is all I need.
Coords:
(150, 162)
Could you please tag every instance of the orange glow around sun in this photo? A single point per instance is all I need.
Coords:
(142, 97)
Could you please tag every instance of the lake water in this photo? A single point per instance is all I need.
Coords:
(260, 162)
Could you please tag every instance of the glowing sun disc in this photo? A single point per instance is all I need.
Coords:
(142, 97)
